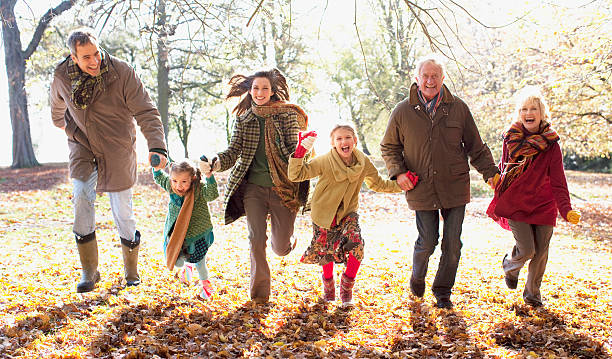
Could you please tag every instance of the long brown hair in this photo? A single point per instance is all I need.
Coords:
(187, 166)
(240, 84)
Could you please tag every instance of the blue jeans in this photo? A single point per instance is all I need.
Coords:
(428, 223)
(84, 197)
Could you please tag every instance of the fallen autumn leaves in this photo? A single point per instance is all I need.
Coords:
(43, 317)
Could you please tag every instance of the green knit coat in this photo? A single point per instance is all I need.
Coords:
(200, 223)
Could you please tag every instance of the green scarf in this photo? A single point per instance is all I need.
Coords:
(83, 84)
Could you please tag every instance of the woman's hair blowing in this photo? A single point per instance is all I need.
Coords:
(241, 84)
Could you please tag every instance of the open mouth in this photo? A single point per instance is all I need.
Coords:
(529, 120)
(345, 149)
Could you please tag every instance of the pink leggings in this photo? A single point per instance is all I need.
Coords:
(352, 266)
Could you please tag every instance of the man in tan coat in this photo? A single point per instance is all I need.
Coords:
(432, 134)
(95, 98)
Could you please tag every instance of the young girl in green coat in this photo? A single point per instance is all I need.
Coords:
(188, 230)
(336, 233)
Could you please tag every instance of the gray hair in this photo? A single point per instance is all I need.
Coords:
(84, 35)
(434, 59)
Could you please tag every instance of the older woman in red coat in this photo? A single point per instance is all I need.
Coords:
(530, 192)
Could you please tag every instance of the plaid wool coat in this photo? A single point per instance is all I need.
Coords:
(241, 151)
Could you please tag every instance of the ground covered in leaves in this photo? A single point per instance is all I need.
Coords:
(41, 316)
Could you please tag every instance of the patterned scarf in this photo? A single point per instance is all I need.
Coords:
(292, 194)
(432, 105)
(523, 147)
(83, 84)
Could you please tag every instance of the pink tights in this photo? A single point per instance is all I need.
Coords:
(352, 266)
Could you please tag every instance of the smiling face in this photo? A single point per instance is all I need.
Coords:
(344, 142)
(261, 90)
(430, 80)
(180, 182)
(530, 115)
(88, 57)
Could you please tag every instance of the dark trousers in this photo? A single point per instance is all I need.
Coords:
(428, 224)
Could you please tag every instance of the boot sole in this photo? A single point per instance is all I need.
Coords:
(85, 287)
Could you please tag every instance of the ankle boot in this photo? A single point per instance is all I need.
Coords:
(130, 259)
(346, 290)
(329, 289)
(88, 254)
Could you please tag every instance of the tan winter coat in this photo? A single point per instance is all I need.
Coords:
(436, 150)
(337, 190)
(104, 134)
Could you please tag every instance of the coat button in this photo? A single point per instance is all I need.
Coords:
(435, 172)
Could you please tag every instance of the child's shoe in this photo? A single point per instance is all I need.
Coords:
(346, 290)
(329, 289)
(185, 274)
(206, 289)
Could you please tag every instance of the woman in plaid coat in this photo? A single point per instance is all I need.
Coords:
(264, 136)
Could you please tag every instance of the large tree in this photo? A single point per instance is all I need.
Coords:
(15, 58)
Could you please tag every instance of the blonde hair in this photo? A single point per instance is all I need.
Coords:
(342, 127)
(531, 94)
(187, 166)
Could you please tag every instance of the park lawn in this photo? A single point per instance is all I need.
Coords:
(42, 316)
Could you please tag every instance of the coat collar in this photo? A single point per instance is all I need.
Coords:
(110, 76)
(341, 171)
(414, 97)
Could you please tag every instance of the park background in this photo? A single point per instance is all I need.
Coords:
(346, 61)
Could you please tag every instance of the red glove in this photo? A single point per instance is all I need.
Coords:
(303, 147)
(412, 177)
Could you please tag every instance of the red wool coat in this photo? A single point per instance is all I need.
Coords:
(537, 194)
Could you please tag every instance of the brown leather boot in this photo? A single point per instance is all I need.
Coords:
(88, 254)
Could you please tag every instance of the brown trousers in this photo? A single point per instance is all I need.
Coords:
(532, 242)
(258, 203)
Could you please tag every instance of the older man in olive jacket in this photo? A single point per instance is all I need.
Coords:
(432, 134)
(95, 98)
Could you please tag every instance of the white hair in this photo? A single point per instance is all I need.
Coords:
(431, 58)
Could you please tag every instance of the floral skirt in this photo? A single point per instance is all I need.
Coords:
(336, 243)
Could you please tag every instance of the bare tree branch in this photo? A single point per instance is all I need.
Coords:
(254, 12)
(365, 63)
(43, 23)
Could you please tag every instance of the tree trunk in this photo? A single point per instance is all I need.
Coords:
(163, 69)
(15, 60)
(23, 152)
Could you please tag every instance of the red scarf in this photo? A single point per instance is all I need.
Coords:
(523, 147)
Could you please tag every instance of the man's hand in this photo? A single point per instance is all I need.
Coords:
(573, 217)
(404, 182)
(163, 161)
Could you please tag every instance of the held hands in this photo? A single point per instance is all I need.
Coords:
(157, 160)
(209, 167)
(305, 143)
(407, 180)
(492, 181)
(573, 217)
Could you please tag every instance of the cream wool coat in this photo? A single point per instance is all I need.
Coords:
(337, 191)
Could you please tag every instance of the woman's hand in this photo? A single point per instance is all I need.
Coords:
(573, 217)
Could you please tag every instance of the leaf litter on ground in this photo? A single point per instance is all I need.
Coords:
(42, 316)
